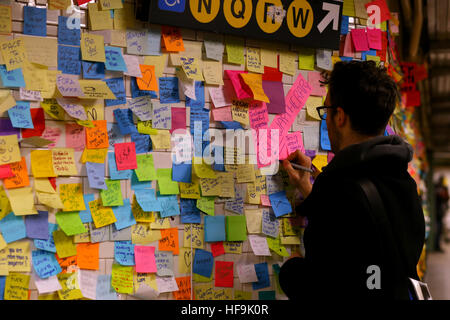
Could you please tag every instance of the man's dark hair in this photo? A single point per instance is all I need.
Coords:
(366, 94)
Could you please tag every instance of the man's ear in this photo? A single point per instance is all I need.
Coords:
(341, 117)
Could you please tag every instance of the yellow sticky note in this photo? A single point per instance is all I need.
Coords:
(226, 182)
(95, 89)
(59, 4)
(203, 170)
(253, 218)
(161, 140)
(41, 50)
(94, 155)
(189, 190)
(110, 4)
(95, 109)
(64, 244)
(377, 59)
(276, 246)
(191, 68)
(16, 286)
(124, 18)
(235, 49)
(122, 278)
(64, 162)
(70, 288)
(254, 81)
(148, 279)
(184, 261)
(254, 60)
(290, 240)
(19, 256)
(193, 235)
(311, 104)
(101, 215)
(7, 101)
(35, 76)
(203, 291)
(142, 233)
(287, 62)
(210, 187)
(320, 161)
(53, 109)
(43, 185)
(3, 258)
(72, 196)
(5, 20)
(22, 201)
(161, 224)
(232, 247)
(5, 206)
(212, 71)
(42, 163)
(306, 58)
(348, 8)
(51, 200)
(145, 127)
(99, 20)
(335, 59)
(239, 112)
(50, 89)
(245, 173)
(269, 58)
(92, 47)
(160, 63)
(13, 53)
(9, 149)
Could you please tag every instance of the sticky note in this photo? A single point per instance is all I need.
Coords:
(73, 107)
(69, 59)
(16, 287)
(13, 53)
(235, 49)
(189, 211)
(324, 139)
(13, 78)
(104, 291)
(374, 38)
(141, 107)
(254, 81)
(172, 38)
(125, 122)
(70, 223)
(95, 89)
(64, 244)
(70, 286)
(254, 60)
(69, 32)
(125, 154)
(45, 264)
(280, 203)
(215, 228)
(145, 259)
(262, 272)
(92, 47)
(181, 172)
(165, 183)
(247, 273)
(5, 20)
(112, 195)
(117, 86)
(12, 228)
(169, 240)
(214, 46)
(35, 21)
(241, 89)
(212, 72)
(314, 79)
(168, 90)
(9, 149)
(203, 262)
(93, 70)
(20, 178)
(72, 196)
(101, 215)
(144, 42)
(323, 59)
(224, 274)
(87, 256)
(97, 137)
(148, 81)
(114, 59)
(37, 225)
(22, 201)
(359, 38)
(145, 170)
(236, 229)
(124, 253)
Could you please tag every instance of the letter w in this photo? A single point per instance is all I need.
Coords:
(297, 15)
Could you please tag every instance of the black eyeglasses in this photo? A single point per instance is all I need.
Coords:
(322, 111)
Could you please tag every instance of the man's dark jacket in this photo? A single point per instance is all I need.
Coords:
(341, 241)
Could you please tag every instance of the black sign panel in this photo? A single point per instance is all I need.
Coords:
(308, 23)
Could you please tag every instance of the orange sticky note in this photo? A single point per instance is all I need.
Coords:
(97, 137)
(184, 288)
(148, 80)
(172, 38)
(87, 255)
(20, 179)
(169, 240)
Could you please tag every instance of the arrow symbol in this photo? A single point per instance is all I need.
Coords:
(333, 15)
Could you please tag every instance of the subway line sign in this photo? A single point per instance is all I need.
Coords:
(309, 23)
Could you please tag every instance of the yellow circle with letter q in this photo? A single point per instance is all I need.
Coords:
(238, 12)
(204, 11)
(300, 18)
(267, 22)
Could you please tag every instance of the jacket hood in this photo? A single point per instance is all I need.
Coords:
(386, 148)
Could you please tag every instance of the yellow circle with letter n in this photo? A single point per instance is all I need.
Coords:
(204, 11)
(238, 12)
(299, 18)
(266, 16)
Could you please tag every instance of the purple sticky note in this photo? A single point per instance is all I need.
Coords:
(6, 128)
(310, 153)
(37, 225)
(274, 90)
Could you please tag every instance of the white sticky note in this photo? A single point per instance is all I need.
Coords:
(259, 245)
(247, 273)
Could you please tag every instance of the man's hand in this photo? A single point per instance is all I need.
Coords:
(299, 178)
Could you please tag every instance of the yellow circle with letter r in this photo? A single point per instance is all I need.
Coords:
(238, 12)
(204, 11)
(266, 22)
(299, 18)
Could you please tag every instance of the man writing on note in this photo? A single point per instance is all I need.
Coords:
(348, 252)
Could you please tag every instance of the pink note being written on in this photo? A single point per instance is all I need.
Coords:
(222, 114)
(52, 134)
(314, 79)
(374, 38)
(75, 136)
(294, 141)
(178, 119)
(359, 38)
(241, 89)
(144, 257)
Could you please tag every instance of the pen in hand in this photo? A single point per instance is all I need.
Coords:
(299, 167)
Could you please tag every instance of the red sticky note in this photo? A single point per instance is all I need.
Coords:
(382, 10)
(217, 249)
(37, 115)
(374, 38)
(359, 38)
(413, 98)
(224, 274)
(144, 257)
(5, 171)
(272, 74)
(178, 119)
(125, 155)
(349, 49)
(241, 89)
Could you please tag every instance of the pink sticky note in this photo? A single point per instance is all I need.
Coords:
(144, 257)
(75, 136)
(178, 119)
(295, 142)
(314, 79)
(125, 155)
(222, 96)
(241, 89)
(222, 114)
(330, 156)
(52, 134)
(359, 38)
(265, 200)
(258, 115)
(374, 38)
(349, 50)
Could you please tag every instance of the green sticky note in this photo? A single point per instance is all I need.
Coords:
(235, 49)
(276, 271)
(145, 127)
(165, 183)
(206, 204)
(112, 196)
(70, 223)
(306, 59)
(64, 244)
(236, 228)
(145, 167)
(266, 295)
(276, 246)
(200, 278)
(377, 59)
(242, 295)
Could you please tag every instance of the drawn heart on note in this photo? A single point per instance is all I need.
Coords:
(187, 258)
(146, 79)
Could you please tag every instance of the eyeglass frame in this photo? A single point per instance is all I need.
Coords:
(323, 117)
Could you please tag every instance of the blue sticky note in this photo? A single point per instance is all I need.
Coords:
(96, 175)
(35, 21)
(262, 272)
(368, 52)
(104, 290)
(69, 31)
(344, 25)
(36, 225)
(114, 59)
(85, 215)
(2, 286)
(136, 92)
(266, 295)
(124, 118)
(142, 142)
(12, 228)
(45, 264)
(280, 203)
(324, 139)
(200, 116)
(346, 59)
(124, 215)
(203, 262)
(139, 185)
(215, 229)
(69, 59)
(113, 172)
(93, 70)
(231, 125)
(124, 253)
(47, 245)
(20, 115)
(168, 90)
(169, 205)
(199, 102)
(147, 200)
(117, 86)
(13, 78)
(189, 211)
(114, 135)
(182, 172)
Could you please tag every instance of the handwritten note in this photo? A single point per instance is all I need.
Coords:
(72, 196)
(69, 59)
(13, 53)
(125, 156)
(101, 215)
(97, 137)
(92, 47)
(145, 259)
(112, 195)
